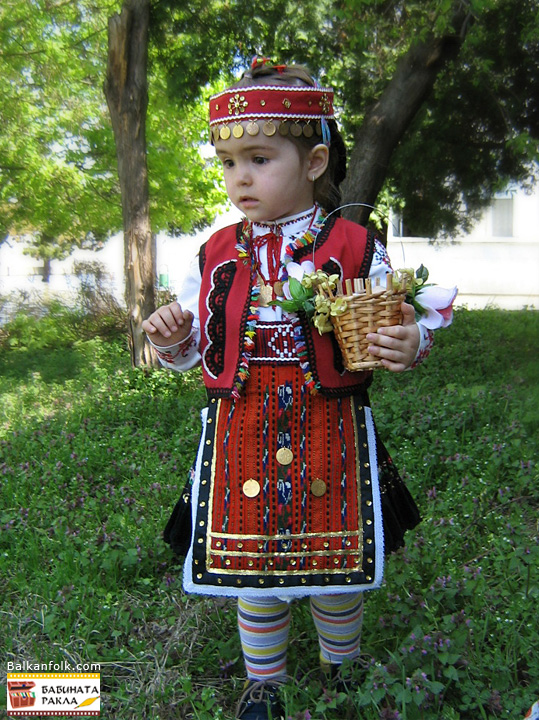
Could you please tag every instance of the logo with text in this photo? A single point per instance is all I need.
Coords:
(53, 694)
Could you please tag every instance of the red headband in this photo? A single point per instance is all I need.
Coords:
(271, 102)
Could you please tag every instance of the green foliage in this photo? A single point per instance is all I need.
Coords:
(476, 126)
(35, 323)
(58, 176)
(56, 329)
(185, 189)
(57, 158)
(93, 455)
(477, 131)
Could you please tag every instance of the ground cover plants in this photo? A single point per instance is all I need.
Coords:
(93, 455)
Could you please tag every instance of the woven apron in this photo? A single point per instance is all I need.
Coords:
(286, 499)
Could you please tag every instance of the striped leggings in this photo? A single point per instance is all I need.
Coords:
(264, 624)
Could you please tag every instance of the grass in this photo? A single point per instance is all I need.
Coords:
(93, 455)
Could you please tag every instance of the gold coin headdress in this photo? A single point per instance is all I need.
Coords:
(270, 109)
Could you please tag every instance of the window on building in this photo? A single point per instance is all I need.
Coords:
(502, 217)
(401, 227)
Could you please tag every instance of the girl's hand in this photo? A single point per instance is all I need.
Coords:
(168, 325)
(397, 345)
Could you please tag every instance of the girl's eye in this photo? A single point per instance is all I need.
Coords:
(227, 163)
(259, 160)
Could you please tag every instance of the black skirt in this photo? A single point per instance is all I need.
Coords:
(399, 511)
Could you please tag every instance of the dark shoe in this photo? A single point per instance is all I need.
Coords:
(260, 701)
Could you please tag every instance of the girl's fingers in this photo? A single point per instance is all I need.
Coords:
(396, 346)
(408, 314)
(148, 326)
(167, 320)
(162, 321)
(176, 312)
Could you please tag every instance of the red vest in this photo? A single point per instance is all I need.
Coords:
(342, 247)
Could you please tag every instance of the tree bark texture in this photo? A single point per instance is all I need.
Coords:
(46, 270)
(126, 90)
(387, 120)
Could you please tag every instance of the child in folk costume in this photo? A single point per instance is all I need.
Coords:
(294, 494)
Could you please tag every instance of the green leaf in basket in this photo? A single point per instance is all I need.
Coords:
(297, 290)
(308, 307)
(422, 274)
(288, 305)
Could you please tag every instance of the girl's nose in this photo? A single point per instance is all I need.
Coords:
(244, 175)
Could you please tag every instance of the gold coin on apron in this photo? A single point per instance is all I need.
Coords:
(251, 488)
(284, 456)
(318, 487)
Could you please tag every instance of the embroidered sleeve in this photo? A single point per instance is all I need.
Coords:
(185, 355)
(426, 341)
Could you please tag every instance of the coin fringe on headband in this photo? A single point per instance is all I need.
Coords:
(269, 128)
(287, 109)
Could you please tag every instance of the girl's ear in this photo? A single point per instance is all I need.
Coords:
(318, 161)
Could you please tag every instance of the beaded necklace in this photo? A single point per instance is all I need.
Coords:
(244, 248)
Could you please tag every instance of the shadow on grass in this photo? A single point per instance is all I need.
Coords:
(54, 366)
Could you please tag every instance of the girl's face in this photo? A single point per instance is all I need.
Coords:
(267, 178)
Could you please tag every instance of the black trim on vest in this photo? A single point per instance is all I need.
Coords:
(332, 268)
(369, 252)
(214, 355)
(338, 362)
(244, 315)
(223, 392)
(202, 257)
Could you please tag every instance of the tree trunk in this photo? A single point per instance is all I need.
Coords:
(387, 120)
(126, 90)
(46, 270)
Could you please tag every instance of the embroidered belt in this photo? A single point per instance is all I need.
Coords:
(274, 342)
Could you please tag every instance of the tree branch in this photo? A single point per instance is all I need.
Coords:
(387, 120)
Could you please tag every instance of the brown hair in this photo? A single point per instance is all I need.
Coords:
(326, 187)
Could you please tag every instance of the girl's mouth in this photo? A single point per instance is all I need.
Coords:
(248, 201)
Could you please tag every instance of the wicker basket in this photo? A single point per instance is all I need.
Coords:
(367, 309)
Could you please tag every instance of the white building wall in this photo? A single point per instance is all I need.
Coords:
(20, 272)
(488, 270)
